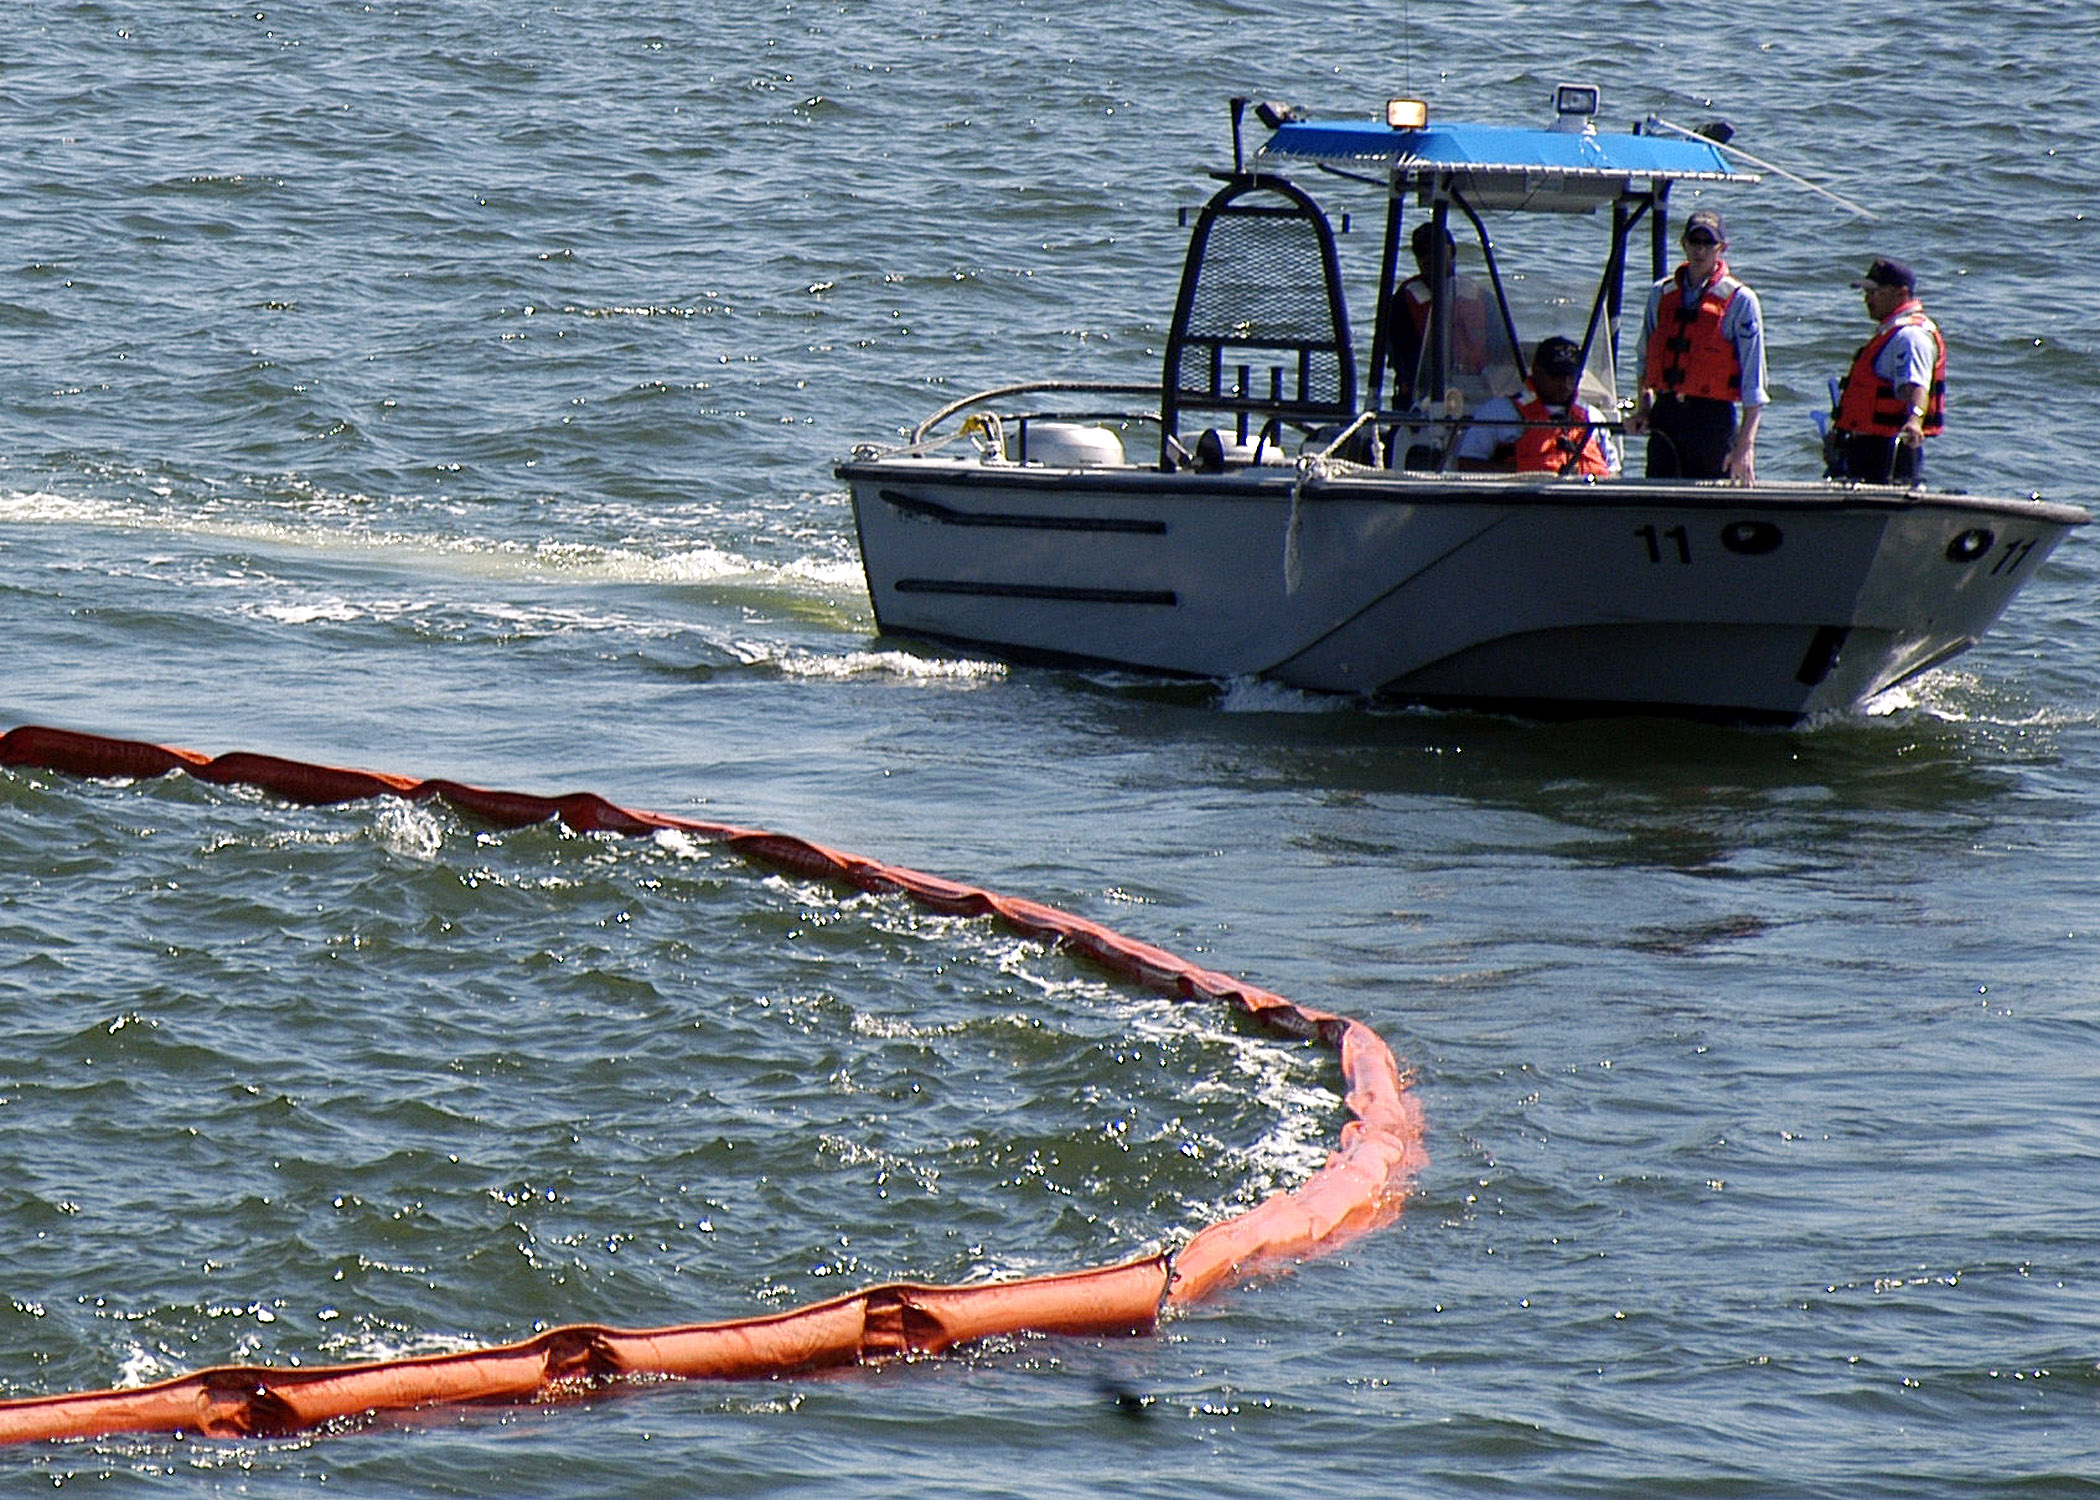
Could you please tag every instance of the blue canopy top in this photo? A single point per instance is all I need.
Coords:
(1580, 164)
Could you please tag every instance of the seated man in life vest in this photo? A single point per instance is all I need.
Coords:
(1547, 431)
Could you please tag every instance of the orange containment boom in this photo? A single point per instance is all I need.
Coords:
(1360, 1187)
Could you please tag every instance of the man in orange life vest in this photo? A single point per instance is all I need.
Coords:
(1702, 352)
(1895, 394)
(1549, 432)
(1408, 324)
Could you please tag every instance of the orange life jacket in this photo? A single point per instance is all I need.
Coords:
(1568, 445)
(1414, 296)
(1687, 354)
(1869, 404)
(1469, 321)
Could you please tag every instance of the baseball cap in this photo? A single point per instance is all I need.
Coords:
(1557, 356)
(1885, 272)
(1708, 220)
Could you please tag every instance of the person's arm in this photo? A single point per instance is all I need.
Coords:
(1487, 443)
(1912, 432)
(1748, 337)
(1742, 453)
(1912, 348)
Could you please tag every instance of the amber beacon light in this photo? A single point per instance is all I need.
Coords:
(1407, 114)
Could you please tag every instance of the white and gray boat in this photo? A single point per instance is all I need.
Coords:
(1266, 512)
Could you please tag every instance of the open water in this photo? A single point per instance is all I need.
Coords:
(451, 389)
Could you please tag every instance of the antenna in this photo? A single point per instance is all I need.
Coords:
(1407, 49)
(1719, 140)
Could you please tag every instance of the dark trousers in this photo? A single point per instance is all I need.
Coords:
(1870, 458)
(1689, 437)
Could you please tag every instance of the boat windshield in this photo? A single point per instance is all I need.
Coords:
(1497, 320)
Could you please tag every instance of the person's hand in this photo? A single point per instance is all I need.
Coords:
(1912, 433)
(1742, 466)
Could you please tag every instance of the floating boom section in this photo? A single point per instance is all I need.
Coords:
(871, 1326)
(1360, 1187)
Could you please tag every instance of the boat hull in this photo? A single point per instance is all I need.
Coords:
(1773, 604)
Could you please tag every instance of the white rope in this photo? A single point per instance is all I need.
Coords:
(1845, 203)
(1310, 466)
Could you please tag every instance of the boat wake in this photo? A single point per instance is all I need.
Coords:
(1960, 697)
(904, 665)
(1256, 695)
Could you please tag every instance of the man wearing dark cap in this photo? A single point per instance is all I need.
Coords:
(1549, 433)
(1475, 324)
(1895, 395)
(1701, 355)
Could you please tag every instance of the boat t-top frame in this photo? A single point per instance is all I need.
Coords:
(1261, 327)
